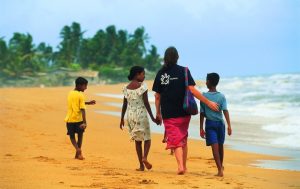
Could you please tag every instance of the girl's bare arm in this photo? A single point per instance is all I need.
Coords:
(147, 105)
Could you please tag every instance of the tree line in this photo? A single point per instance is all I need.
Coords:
(111, 52)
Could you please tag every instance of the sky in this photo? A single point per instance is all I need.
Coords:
(230, 37)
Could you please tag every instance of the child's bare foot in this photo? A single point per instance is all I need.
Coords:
(172, 152)
(79, 155)
(140, 169)
(220, 174)
(76, 155)
(147, 164)
(180, 172)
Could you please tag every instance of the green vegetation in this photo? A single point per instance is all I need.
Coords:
(110, 52)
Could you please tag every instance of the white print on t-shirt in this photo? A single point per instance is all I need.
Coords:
(165, 79)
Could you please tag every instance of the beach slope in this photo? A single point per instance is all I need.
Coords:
(36, 152)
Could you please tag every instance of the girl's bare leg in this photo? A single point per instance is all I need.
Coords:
(139, 151)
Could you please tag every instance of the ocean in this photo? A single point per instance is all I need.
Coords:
(264, 115)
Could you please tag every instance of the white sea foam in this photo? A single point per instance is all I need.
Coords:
(274, 99)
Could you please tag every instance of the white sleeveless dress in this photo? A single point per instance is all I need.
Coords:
(138, 123)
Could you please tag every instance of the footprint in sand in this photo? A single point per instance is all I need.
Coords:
(112, 173)
(180, 182)
(194, 158)
(74, 168)
(145, 181)
(9, 157)
(96, 185)
(46, 159)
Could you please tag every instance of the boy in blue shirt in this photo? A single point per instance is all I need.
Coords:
(214, 124)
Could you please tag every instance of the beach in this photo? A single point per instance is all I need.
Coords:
(37, 153)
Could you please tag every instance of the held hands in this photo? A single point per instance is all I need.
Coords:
(122, 124)
(158, 119)
(155, 120)
(202, 133)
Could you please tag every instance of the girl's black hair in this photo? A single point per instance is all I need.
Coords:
(135, 70)
(171, 57)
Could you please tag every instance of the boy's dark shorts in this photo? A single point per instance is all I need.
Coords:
(74, 128)
(215, 132)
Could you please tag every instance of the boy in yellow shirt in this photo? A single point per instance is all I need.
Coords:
(76, 119)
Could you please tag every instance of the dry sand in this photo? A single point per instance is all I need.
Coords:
(36, 152)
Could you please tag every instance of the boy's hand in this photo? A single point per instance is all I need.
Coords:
(83, 126)
(229, 130)
(92, 102)
(202, 133)
(122, 124)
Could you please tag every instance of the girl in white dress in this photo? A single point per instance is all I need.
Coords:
(136, 100)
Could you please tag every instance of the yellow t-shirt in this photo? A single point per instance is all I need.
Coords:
(75, 103)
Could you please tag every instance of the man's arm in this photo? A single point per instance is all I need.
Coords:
(226, 114)
(212, 105)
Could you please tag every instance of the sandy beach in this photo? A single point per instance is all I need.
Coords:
(37, 153)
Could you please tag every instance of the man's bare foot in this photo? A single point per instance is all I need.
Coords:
(147, 164)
